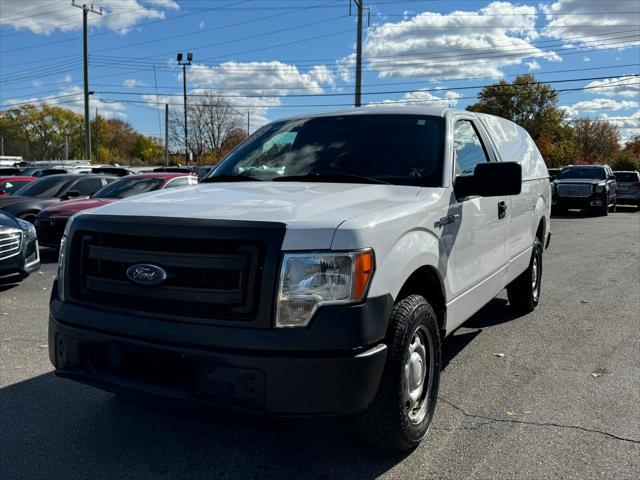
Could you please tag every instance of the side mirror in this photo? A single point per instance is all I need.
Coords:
(611, 177)
(71, 194)
(494, 179)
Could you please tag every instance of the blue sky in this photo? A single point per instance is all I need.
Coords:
(276, 58)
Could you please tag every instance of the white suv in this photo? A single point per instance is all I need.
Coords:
(314, 272)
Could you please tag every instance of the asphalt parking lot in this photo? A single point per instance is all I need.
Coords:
(562, 402)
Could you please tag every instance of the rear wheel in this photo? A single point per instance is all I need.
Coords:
(399, 417)
(524, 291)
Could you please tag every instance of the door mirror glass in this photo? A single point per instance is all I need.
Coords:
(71, 194)
(494, 179)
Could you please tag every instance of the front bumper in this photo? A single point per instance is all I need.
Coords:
(285, 385)
(50, 230)
(280, 372)
(21, 265)
(596, 200)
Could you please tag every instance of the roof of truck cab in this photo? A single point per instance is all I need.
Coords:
(379, 110)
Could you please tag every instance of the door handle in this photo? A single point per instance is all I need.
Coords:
(502, 210)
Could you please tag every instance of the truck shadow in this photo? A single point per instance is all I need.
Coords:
(53, 428)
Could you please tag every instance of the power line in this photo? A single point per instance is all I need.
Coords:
(617, 83)
(387, 92)
(173, 87)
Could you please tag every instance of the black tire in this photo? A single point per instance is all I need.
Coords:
(523, 292)
(614, 207)
(389, 423)
(604, 211)
(28, 216)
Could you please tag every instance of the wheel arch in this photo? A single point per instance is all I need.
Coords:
(426, 281)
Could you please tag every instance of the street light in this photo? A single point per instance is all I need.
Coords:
(184, 84)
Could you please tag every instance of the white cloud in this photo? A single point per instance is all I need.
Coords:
(629, 126)
(586, 59)
(73, 99)
(119, 15)
(608, 25)
(533, 65)
(423, 97)
(604, 104)
(37, 83)
(252, 85)
(66, 79)
(613, 87)
(456, 45)
(132, 82)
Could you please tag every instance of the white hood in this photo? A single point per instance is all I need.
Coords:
(301, 206)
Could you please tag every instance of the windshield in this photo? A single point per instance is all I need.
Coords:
(583, 172)
(398, 149)
(627, 177)
(44, 188)
(10, 186)
(129, 186)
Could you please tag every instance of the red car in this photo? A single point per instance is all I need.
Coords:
(8, 185)
(51, 221)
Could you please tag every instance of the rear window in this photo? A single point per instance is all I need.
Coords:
(627, 177)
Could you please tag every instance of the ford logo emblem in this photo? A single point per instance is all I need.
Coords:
(146, 274)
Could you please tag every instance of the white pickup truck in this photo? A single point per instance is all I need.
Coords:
(316, 271)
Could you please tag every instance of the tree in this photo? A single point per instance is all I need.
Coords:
(213, 124)
(39, 132)
(597, 141)
(527, 102)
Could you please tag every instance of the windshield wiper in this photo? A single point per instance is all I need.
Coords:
(335, 177)
(231, 178)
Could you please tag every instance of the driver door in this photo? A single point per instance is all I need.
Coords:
(480, 244)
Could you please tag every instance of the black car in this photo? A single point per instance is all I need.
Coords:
(586, 187)
(19, 254)
(553, 173)
(26, 202)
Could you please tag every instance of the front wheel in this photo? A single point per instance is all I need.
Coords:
(399, 417)
(524, 291)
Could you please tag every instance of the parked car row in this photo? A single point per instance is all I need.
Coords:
(37, 213)
(595, 188)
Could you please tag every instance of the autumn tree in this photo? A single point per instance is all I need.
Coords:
(597, 141)
(527, 102)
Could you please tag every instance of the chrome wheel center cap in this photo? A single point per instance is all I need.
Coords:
(416, 367)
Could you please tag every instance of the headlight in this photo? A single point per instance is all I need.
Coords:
(28, 226)
(309, 280)
(602, 187)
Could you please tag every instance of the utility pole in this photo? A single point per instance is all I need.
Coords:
(86, 9)
(2, 146)
(184, 85)
(97, 137)
(66, 147)
(248, 123)
(166, 134)
(361, 7)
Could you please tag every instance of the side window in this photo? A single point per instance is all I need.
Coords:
(468, 148)
(178, 182)
(87, 186)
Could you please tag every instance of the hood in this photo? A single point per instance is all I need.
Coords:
(297, 204)
(69, 207)
(590, 181)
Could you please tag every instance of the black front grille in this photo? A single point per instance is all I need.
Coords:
(207, 278)
(50, 230)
